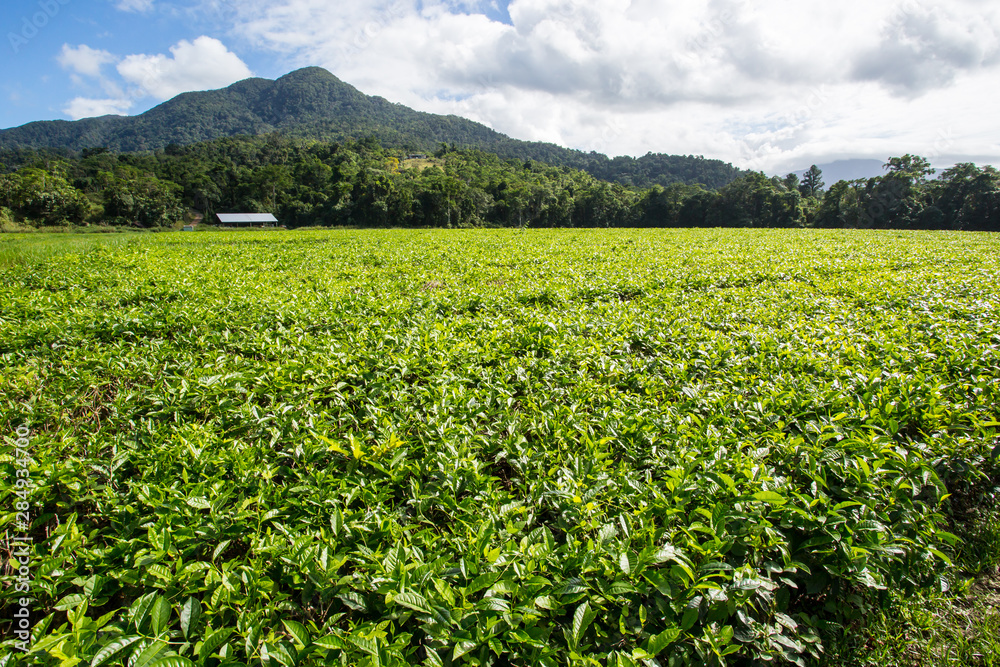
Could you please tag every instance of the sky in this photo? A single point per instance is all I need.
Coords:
(769, 85)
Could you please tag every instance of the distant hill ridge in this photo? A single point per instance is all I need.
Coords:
(313, 103)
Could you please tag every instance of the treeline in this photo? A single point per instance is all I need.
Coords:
(312, 104)
(308, 183)
(642, 172)
(305, 183)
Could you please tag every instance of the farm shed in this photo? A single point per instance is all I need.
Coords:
(246, 219)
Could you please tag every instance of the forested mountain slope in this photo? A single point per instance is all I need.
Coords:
(312, 103)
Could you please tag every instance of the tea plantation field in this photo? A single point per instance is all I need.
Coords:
(590, 447)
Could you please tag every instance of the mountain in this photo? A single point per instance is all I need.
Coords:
(848, 170)
(313, 103)
(307, 102)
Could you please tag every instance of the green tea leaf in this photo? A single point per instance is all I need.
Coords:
(113, 649)
(298, 632)
(190, 616)
(770, 497)
(159, 615)
(172, 661)
(657, 643)
(213, 641)
(149, 655)
(582, 618)
(413, 601)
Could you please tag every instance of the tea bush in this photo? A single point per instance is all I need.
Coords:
(488, 447)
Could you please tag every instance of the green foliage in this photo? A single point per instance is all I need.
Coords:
(313, 104)
(43, 196)
(755, 201)
(29, 249)
(316, 150)
(8, 224)
(964, 197)
(361, 183)
(491, 446)
(967, 197)
(133, 198)
(812, 182)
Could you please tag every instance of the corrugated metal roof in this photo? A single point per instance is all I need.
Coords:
(250, 218)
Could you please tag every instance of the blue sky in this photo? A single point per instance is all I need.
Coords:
(773, 85)
(36, 86)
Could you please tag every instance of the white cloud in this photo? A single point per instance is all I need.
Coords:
(761, 83)
(82, 107)
(203, 64)
(925, 47)
(84, 60)
(137, 6)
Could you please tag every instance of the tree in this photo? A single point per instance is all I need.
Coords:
(271, 184)
(842, 205)
(812, 182)
(139, 199)
(901, 198)
(43, 196)
(969, 197)
(695, 209)
(661, 207)
(755, 201)
(360, 183)
(607, 205)
(202, 193)
(914, 167)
